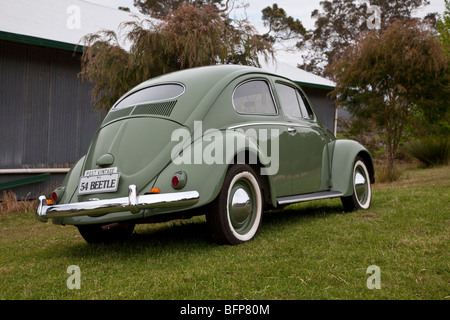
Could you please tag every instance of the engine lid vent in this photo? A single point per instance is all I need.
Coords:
(157, 109)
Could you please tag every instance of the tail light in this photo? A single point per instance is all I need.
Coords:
(57, 194)
(179, 180)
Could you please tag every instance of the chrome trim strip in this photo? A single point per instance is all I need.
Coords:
(309, 197)
(268, 123)
(132, 203)
(151, 101)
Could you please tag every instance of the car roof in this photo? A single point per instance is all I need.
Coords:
(202, 75)
(202, 84)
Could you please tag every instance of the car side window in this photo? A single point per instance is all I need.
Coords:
(254, 97)
(293, 102)
(288, 100)
(304, 106)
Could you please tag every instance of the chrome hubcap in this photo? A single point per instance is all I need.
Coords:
(241, 206)
(361, 185)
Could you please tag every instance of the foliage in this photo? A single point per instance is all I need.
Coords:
(189, 37)
(431, 151)
(386, 78)
(384, 175)
(342, 21)
(161, 8)
(281, 26)
(338, 24)
(443, 27)
(10, 204)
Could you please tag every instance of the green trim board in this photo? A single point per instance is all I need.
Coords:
(314, 85)
(25, 181)
(21, 38)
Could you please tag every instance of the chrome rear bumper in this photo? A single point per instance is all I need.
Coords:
(133, 203)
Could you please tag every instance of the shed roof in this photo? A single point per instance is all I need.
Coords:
(300, 76)
(55, 23)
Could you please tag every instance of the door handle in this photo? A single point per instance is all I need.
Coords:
(292, 130)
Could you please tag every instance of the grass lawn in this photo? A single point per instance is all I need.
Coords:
(307, 251)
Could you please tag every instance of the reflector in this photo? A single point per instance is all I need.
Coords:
(175, 181)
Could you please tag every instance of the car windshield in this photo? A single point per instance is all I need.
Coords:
(151, 94)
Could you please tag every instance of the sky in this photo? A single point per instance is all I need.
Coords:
(298, 9)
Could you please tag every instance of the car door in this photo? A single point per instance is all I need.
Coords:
(307, 140)
(253, 100)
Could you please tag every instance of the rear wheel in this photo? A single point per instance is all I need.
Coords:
(235, 215)
(98, 233)
(362, 193)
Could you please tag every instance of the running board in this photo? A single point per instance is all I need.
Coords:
(309, 196)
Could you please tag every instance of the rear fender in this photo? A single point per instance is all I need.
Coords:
(70, 185)
(206, 160)
(70, 182)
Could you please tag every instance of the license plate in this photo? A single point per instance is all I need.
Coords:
(99, 181)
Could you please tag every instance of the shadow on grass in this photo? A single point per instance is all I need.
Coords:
(190, 236)
(307, 211)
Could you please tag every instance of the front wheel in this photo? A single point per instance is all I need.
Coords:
(362, 193)
(235, 215)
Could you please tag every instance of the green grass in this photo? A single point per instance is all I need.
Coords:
(307, 251)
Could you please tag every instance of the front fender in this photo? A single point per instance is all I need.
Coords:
(343, 157)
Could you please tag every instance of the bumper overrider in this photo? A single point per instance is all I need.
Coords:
(133, 203)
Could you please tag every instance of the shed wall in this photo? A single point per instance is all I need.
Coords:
(46, 114)
(323, 105)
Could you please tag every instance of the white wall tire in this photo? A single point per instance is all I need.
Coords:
(362, 192)
(236, 214)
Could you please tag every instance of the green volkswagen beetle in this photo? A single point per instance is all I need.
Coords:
(224, 141)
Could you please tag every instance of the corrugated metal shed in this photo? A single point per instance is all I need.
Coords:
(46, 114)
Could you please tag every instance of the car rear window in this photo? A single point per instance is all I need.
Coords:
(152, 94)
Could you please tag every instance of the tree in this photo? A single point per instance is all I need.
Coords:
(386, 78)
(161, 8)
(188, 37)
(338, 24)
(443, 27)
(281, 26)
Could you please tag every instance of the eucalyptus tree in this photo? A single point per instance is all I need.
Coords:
(387, 78)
